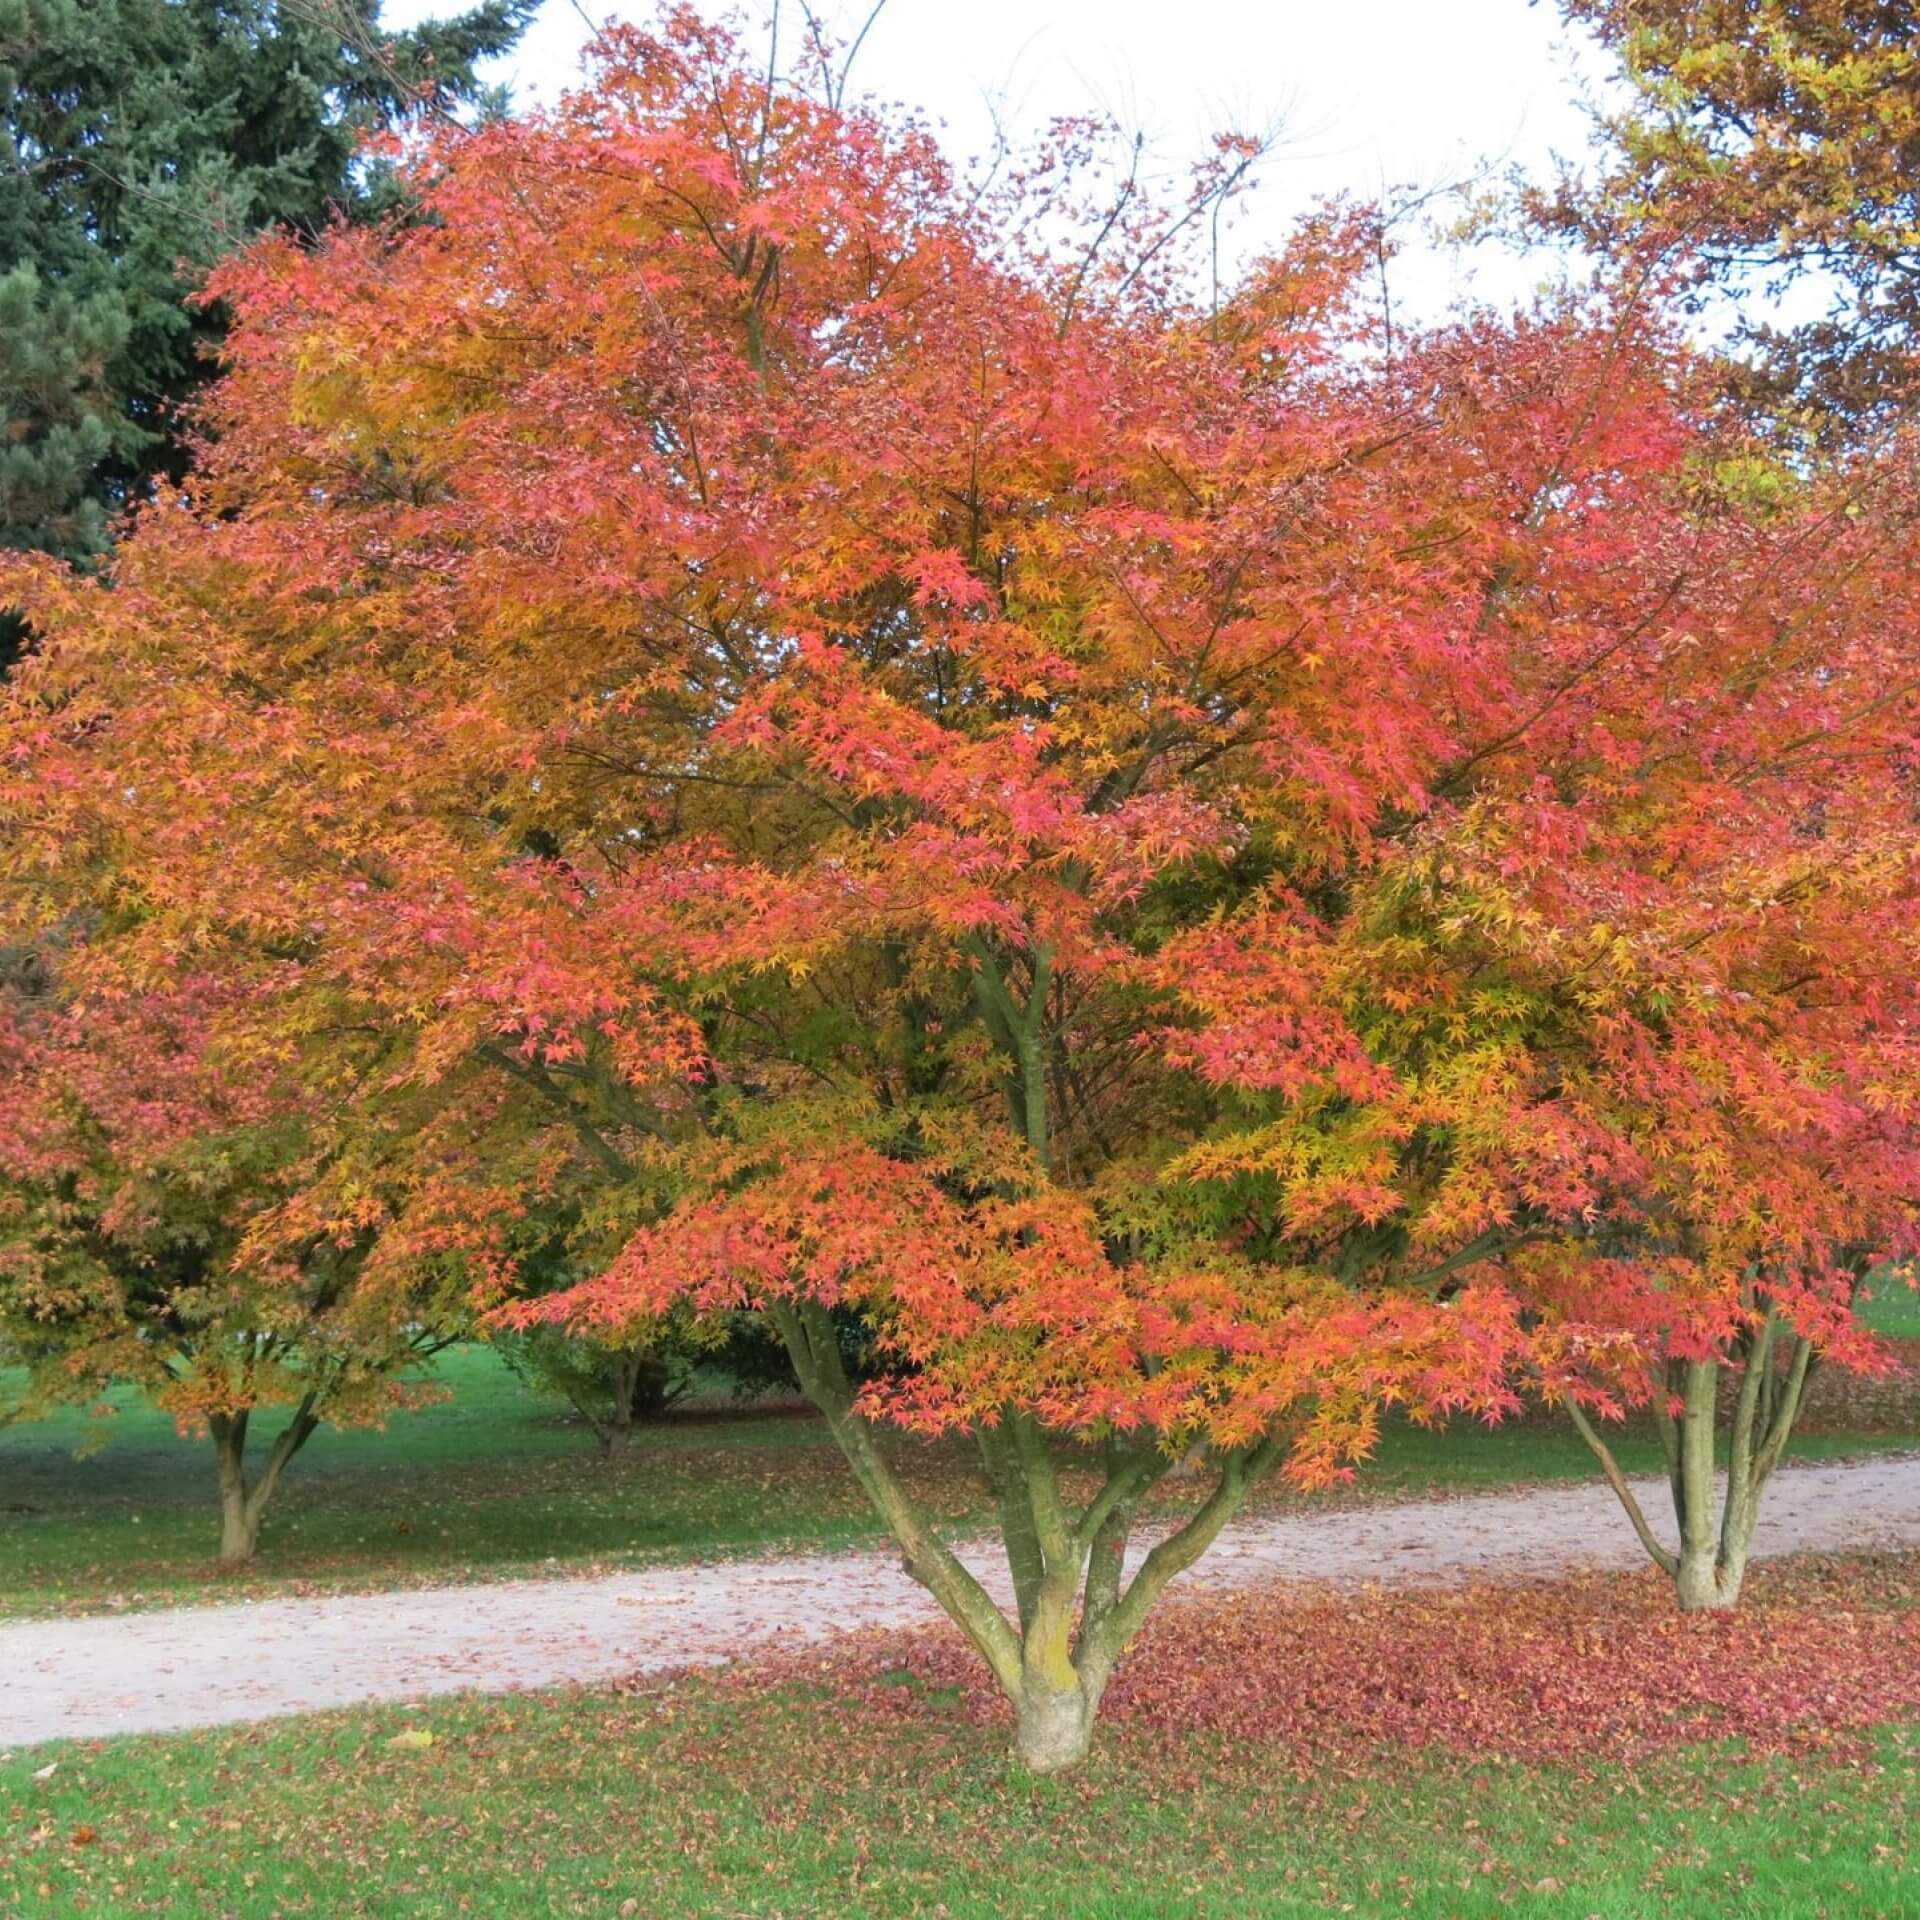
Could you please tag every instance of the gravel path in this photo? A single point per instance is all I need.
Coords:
(206, 1666)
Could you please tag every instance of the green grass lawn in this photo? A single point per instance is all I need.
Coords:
(494, 1480)
(1894, 1309)
(700, 1803)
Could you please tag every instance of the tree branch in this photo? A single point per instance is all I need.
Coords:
(1668, 1563)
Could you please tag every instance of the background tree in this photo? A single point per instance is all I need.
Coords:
(1703, 917)
(1723, 1368)
(612, 1383)
(147, 138)
(131, 1173)
(1778, 147)
(614, 1376)
(1146, 852)
(1769, 152)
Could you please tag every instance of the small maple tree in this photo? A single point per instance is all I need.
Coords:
(133, 1168)
(1167, 859)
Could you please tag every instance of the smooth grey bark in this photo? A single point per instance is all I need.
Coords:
(1709, 1566)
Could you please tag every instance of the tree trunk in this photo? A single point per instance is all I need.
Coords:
(239, 1516)
(1076, 1612)
(243, 1505)
(1709, 1583)
(626, 1385)
(239, 1521)
(1053, 1727)
(1710, 1567)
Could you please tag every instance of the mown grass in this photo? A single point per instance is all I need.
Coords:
(1893, 1309)
(704, 1801)
(492, 1480)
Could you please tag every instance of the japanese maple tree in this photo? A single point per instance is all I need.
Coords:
(1148, 851)
(132, 1169)
(1718, 958)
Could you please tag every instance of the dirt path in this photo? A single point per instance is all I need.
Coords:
(205, 1666)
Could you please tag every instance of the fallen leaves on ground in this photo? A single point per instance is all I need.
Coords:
(1600, 1668)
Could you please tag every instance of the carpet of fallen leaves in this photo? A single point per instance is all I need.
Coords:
(1597, 1669)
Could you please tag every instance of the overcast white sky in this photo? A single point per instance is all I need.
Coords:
(1366, 91)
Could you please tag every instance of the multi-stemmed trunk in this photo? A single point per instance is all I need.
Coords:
(1075, 1606)
(1715, 1535)
(243, 1502)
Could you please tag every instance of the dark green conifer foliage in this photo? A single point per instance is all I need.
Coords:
(144, 139)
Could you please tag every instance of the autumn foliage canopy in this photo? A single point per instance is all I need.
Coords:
(1206, 870)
